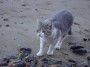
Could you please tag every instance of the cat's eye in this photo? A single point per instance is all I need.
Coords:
(49, 27)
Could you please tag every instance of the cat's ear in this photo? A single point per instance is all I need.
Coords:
(49, 24)
(39, 27)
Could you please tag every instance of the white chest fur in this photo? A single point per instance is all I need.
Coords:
(51, 38)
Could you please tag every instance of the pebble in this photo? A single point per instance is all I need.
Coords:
(7, 25)
(85, 39)
(23, 5)
(0, 25)
(5, 19)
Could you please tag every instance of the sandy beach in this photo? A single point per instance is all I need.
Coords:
(18, 24)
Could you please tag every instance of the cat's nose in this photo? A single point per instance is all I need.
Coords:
(39, 35)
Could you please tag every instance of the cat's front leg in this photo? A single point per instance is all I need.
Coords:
(51, 48)
(59, 43)
(41, 50)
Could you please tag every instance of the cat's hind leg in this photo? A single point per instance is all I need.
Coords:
(59, 43)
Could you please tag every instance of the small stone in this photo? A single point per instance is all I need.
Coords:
(36, 9)
(7, 25)
(45, 62)
(85, 66)
(72, 61)
(1, 17)
(81, 51)
(23, 5)
(76, 23)
(68, 65)
(1, 2)
(14, 39)
(22, 23)
(15, 22)
(76, 47)
(84, 39)
(56, 61)
(21, 11)
(0, 25)
(88, 58)
(88, 39)
(5, 19)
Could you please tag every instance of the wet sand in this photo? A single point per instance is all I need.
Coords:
(18, 24)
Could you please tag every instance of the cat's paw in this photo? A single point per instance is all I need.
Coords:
(50, 53)
(40, 54)
(57, 48)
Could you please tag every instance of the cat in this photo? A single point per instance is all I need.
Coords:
(53, 30)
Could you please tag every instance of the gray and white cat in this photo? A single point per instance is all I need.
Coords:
(53, 31)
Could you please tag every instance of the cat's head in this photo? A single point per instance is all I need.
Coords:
(44, 29)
